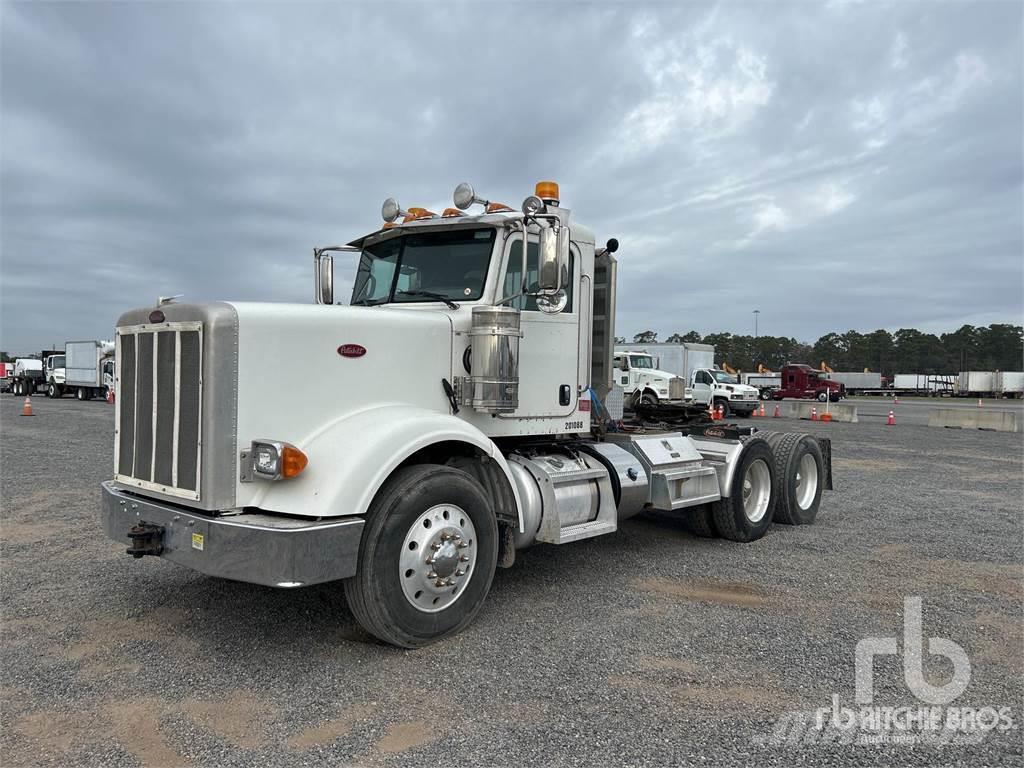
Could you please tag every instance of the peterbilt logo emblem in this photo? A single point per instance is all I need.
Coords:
(351, 350)
(713, 432)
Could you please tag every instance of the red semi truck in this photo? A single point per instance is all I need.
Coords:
(805, 383)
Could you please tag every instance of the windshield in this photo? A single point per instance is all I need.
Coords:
(57, 361)
(424, 266)
(641, 361)
(724, 378)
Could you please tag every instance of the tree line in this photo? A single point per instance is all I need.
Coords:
(997, 347)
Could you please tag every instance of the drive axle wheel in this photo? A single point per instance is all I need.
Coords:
(746, 513)
(427, 558)
(800, 469)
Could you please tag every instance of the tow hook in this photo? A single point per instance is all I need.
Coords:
(147, 539)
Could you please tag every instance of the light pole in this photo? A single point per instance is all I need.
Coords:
(756, 313)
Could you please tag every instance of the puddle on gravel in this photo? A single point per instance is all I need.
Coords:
(333, 729)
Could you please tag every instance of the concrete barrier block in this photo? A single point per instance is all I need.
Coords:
(974, 418)
(801, 409)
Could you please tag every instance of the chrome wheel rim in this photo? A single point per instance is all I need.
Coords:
(438, 557)
(806, 481)
(757, 490)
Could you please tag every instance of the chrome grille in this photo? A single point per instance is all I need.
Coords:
(159, 407)
(676, 388)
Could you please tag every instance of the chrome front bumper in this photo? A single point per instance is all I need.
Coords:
(261, 549)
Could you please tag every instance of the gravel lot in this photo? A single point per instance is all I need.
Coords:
(646, 647)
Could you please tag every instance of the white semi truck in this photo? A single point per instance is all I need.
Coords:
(692, 366)
(483, 431)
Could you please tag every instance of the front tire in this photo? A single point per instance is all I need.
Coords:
(52, 390)
(746, 513)
(648, 399)
(822, 397)
(427, 557)
(724, 405)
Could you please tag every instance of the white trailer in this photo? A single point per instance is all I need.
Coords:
(1010, 383)
(976, 383)
(924, 383)
(480, 432)
(89, 368)
(857, 381)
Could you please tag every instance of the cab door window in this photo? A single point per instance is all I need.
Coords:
(512, 281)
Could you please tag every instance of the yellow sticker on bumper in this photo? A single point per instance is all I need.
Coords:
(197, 541)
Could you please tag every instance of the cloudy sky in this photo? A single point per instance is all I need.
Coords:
(836, 165)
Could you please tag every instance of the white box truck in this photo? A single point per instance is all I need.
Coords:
(89, 368)
(976, 383)
(487, 337)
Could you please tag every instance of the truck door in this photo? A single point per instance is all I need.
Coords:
(703, 386)
(622, 377)
(549, 351)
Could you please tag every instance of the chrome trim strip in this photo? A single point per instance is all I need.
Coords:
(177, 408)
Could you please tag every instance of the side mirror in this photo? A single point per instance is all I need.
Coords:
(553, 259)
(625, 364)
(324, 278)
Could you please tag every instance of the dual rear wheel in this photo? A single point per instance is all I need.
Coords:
(779, 479)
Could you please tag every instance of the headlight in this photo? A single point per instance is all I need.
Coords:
(275, 460)
(662, 391)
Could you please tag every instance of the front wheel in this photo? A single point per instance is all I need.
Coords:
(52, 390)
(648, 399)
(427, 557)
(822, 397)
(724, 405)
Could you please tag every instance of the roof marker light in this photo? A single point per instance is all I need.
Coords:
(497, 207)
(415, 214)
(450, 213)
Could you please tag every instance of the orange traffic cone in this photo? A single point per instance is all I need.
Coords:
(762, 411)
(778, 412)
(110, 396)
(891, 421)
(720, 415)
(26, 409)
(895, 399)
(814, 413)
(754, 412)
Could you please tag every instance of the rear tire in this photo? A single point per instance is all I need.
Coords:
(746, 513)
(800, 473)
(391, 595)
(81, 394)
(700, 521)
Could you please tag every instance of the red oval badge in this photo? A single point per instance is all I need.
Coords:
(156, 316)
(351, 350)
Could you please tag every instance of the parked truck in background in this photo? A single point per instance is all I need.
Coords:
(711, 386)
(764, 383)
(644, 382)
(89, 370)
(805, 383)
(6, 376)
(488, 340)
(31, 373)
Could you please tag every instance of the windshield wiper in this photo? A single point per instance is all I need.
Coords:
(431, 295)
(368, 302)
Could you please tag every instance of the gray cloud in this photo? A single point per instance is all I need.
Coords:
(835, 166)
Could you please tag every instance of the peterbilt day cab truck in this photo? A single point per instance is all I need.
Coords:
(805, 383)
(480, 435)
